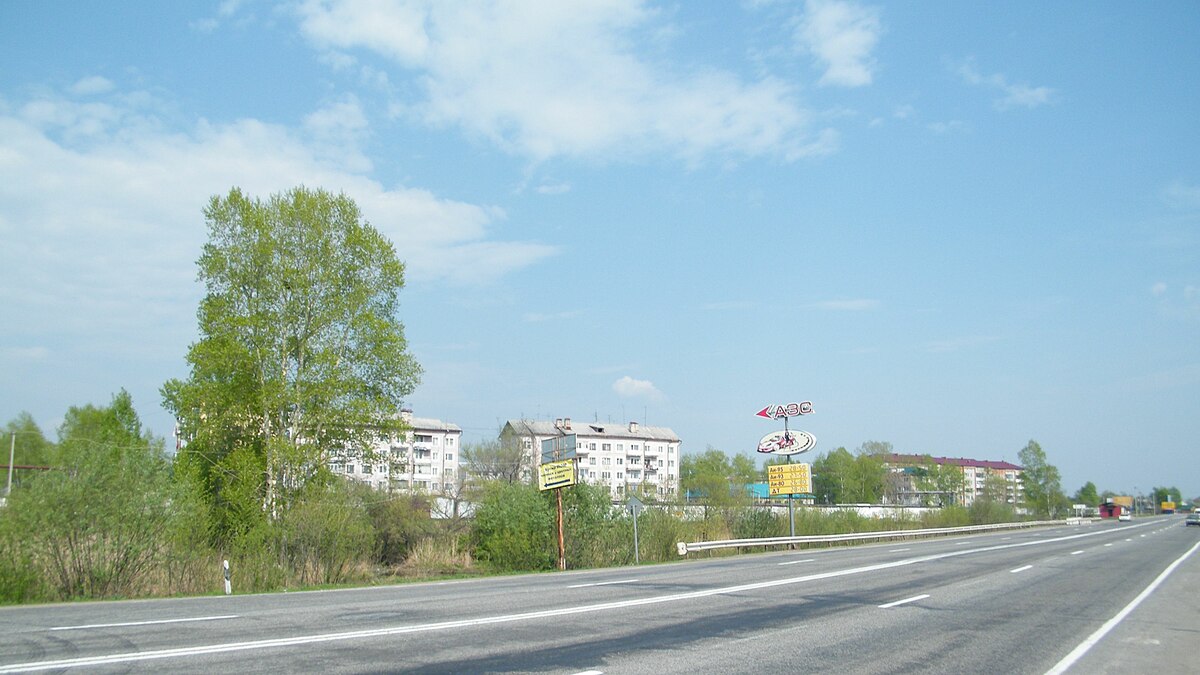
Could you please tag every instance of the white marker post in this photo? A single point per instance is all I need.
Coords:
(228, 586)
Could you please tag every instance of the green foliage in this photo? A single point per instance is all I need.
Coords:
(501, 459)
(843, 478)
(301, 352)
(593, 534)
(400, 523)
(759, 523)
(1087, 495)
(101, 524)
(1042, 483)
(715, 478)
(327, 533)
(513, 528)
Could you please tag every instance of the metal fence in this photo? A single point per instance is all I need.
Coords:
(685, 548)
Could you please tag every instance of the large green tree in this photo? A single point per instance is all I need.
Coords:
(1042, 482)
(716, 478)
(301, 351)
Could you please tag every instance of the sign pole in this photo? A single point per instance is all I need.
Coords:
(562, 549)
(791, 507)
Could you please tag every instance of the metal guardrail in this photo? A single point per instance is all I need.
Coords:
(685, 548)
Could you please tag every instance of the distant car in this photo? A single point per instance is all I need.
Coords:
(1125, 516)
(1192, 519)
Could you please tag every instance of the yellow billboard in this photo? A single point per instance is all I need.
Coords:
(556, 474)
(789, 479)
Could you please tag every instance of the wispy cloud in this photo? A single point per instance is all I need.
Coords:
(561, 79)
(856, 305)
(631, 388)
(959, 343)
(1182, 195)
(537, 317)
(1018, 95)
(842, 36)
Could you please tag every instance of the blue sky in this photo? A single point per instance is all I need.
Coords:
(952, 226)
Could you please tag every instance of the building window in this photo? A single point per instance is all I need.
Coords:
(366, 468)
(620, 461)
(449, 457)
(591, 446)
(349, 468)
(592, 461)
(633, 447)
(619, 476)
(606, 447)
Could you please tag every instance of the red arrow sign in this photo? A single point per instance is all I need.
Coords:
(790, 410)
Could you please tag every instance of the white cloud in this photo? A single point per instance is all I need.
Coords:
(631, 388)
(842, 36)
(101, 215)
(562, 79)
(92, 85)
(1012, 95)
(1158, 289)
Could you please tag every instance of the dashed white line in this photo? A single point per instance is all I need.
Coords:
(604, 583)
(797, 562)
(899, 550)
(146, 623)
(904, 601)
(1076, 552)
(1021, 569)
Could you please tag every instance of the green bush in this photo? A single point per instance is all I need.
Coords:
(513, 528)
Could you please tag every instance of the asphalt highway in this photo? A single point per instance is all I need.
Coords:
(1101, 597)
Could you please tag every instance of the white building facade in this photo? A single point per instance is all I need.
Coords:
(423, 459)
(626, 458)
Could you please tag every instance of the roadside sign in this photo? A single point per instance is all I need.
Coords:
(556, 474)
(789, 479)
(787, 442)
(635, 505)
(558, 447)
(772, 412)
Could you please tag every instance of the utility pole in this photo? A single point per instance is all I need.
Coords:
(12, 451)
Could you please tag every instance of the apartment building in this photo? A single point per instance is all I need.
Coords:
(423, 459)
(624, 458)
(974, 484)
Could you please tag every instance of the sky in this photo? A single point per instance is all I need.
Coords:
(952, 226)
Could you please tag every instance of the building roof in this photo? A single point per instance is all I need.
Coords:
(954, 461)
(592, 430)
(430, 424)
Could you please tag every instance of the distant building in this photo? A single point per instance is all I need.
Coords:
(424, 459)
(907, 488)
(622, 457)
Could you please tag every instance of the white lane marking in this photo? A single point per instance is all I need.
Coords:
(1021, 569)
(604, 583)
(1108, 544)
(590, 672)
(797, 562)
(899, 550)
(904, 601)
(177, 652)
(146, 623)
(1076, 552)
(1077, 653)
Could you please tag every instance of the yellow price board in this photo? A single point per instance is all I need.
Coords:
(789, 479)
(556, 474)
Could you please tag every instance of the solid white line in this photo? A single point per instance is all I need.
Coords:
(145, 623)
(604, 583)
(1021, 569)
(1077, 653)
(797, 562)
(505, 618)
(904, 601)
(590, 672)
